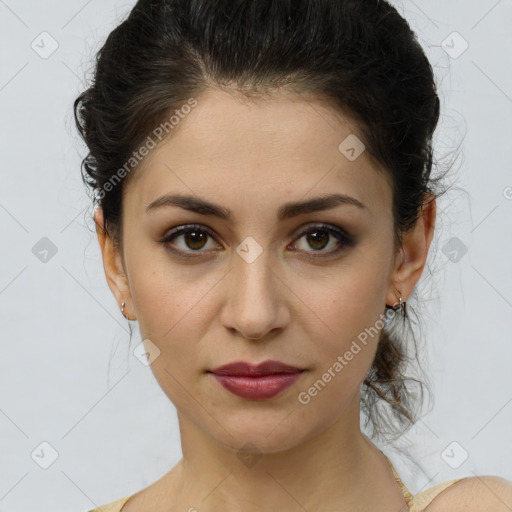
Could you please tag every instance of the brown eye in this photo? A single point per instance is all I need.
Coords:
(317, 237)
(194, 239)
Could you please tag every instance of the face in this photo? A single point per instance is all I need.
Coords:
(305, 288)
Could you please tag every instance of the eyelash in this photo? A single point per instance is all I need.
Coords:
(342, 236)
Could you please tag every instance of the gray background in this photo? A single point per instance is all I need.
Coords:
(67, 378)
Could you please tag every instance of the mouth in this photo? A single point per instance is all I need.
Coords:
(257, 382)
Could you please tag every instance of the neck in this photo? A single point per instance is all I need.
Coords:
(336, 469)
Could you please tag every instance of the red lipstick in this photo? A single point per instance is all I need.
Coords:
(259, 382)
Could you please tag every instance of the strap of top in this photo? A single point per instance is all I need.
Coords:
(409, 498)
(420, 501)
(424, 498)
(113, 506)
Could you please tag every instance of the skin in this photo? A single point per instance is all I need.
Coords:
(251, 157)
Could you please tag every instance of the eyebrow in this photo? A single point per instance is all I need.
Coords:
(286, 211)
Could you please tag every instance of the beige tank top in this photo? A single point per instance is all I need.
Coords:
(416, 503)
(419, 502)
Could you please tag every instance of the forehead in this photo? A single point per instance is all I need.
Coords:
(264, 149)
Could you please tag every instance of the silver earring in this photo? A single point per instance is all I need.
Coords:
(401, 306)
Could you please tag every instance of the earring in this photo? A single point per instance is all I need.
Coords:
(401, 306)
(122, 311)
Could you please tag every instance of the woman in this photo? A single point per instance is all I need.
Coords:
(265, 207)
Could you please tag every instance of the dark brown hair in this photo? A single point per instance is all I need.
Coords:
(360, 56)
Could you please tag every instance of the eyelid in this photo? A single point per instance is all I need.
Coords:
(309, 226)
(178, 230)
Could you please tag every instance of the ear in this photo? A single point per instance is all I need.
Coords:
(416, 243)
(113, 265)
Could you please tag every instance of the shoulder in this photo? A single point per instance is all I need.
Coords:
(475, 494)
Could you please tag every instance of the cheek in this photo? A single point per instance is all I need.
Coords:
(341, 305)
(344, 319)
(169, 314)
(161, 293)
(173, 312)
(342, 356)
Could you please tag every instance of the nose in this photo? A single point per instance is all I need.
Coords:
(255, 306)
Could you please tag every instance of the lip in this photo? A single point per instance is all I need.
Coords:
(257, 382)
(258, 388)
(242, 368)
